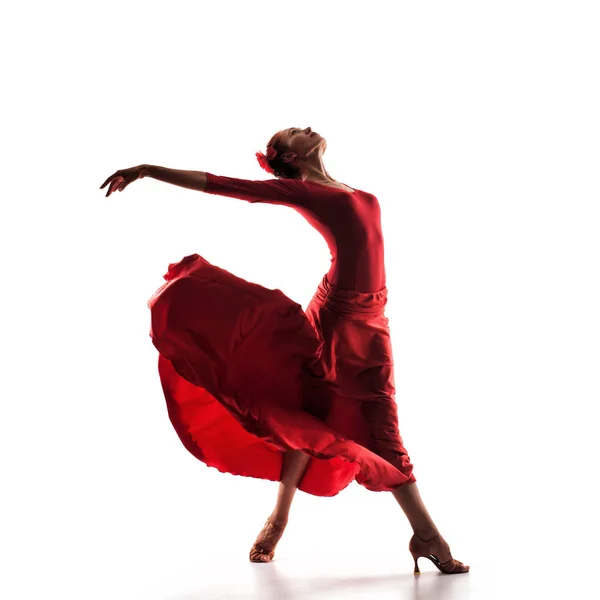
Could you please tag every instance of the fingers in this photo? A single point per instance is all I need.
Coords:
(117, 182)
(114, 184)
(125, 182)
(111, 188)
(115, 174)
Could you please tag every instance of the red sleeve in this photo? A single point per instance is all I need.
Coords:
(290, 192)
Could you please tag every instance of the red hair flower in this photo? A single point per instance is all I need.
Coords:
(262, 159)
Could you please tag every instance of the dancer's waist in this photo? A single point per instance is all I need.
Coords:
(350, 302)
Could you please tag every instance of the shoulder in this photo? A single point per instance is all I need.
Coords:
(287, 186)
(296, 184)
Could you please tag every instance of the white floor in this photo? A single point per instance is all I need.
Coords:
(331, 577)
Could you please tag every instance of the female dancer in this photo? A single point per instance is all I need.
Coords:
(256, 387)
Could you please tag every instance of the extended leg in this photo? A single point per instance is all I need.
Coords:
(294, 465)
(427, 540)
(409, 499)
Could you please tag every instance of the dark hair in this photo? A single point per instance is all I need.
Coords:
(282, 170)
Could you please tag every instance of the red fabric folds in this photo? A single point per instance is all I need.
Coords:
(247, 374)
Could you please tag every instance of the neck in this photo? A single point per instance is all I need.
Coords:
(313, 169)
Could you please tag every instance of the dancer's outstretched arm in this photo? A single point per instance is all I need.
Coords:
(290, 192)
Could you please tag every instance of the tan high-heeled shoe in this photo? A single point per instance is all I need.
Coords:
(431, 549)
(263, 549)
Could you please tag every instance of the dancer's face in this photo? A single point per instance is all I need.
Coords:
(300, 143)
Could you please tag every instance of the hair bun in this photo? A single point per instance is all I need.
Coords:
(262, 161)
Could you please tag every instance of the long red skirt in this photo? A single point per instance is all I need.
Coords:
(248, 375)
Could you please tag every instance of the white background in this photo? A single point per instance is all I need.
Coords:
(476, 124)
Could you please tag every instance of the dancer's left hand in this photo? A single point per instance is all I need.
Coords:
(122, 178)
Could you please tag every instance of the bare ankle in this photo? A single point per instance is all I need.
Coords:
(426, 533)
(279, 520)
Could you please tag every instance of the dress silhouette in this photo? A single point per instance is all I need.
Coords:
(247, 374)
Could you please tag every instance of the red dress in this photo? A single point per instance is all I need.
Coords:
(247, 374)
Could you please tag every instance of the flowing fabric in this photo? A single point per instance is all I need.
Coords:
(248, 375)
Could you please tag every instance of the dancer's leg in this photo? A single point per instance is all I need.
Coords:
(409, 499)
(294, 465)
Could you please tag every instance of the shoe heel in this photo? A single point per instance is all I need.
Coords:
(416, 558)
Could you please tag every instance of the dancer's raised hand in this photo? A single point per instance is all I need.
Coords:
(122, 178)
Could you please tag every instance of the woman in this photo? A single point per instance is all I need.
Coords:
(256, 387)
